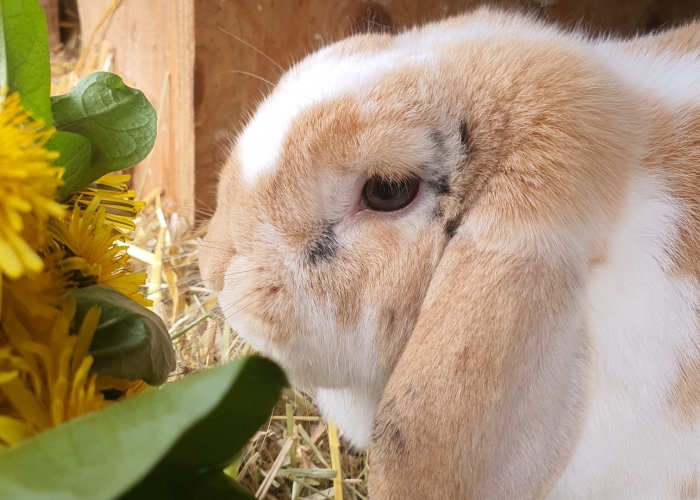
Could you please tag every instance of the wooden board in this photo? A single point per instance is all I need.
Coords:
(154, 52)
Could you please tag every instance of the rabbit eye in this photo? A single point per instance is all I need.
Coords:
(386, 194)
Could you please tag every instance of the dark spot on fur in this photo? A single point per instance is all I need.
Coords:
(441, 185)
(410, 392)
(396, 438)
(324, 246)
(465, 138)
(380, 418)
(451, 227)
(387, 439)
(391, 319)
(438, 213)
(439, 140)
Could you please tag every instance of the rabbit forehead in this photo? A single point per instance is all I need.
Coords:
(353, 67)
(322, 78)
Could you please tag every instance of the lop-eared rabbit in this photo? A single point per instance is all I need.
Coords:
(478, 242)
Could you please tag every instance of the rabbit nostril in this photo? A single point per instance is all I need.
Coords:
(213, 263)
(213, 280)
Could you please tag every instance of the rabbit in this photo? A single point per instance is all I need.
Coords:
(478, 241)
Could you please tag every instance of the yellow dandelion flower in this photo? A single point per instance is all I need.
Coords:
(28, 182)
(114, 195)
(71, 264)
(45, 382)
(45, 377)
(35, 298)
(95, 240)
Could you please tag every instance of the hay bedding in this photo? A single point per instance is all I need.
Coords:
(296, 455)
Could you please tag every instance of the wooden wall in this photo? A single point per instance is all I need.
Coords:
(154, 52)
(213, 51)
(51, 10)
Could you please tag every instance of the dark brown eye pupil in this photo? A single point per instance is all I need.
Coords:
(386, 194)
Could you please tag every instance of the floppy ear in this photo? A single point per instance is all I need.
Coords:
(486, 399)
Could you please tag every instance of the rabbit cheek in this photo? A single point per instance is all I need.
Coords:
(409, 279)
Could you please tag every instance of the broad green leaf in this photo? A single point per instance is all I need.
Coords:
(75, 156)
(24, 56)
(130, 342)
(118, 121)
(105, 454)
(206, 448)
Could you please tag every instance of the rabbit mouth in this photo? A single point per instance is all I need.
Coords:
(304, 336)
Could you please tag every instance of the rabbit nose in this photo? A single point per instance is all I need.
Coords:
(214, 258)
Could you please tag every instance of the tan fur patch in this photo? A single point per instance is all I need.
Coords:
(675, 144)
(690, 489)
(685, 397)
(510, 297)
(674, 156)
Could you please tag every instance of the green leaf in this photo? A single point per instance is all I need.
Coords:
(76, 152)
(118, 121)
(130, 342)
(138, 442)
(24, 56)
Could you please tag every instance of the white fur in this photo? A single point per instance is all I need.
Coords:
(640, 318)
(643, 319)
(673, 78)
(348, 387)
(352, 410)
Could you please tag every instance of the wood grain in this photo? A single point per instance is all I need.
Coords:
(182, 134)
(154, 43)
